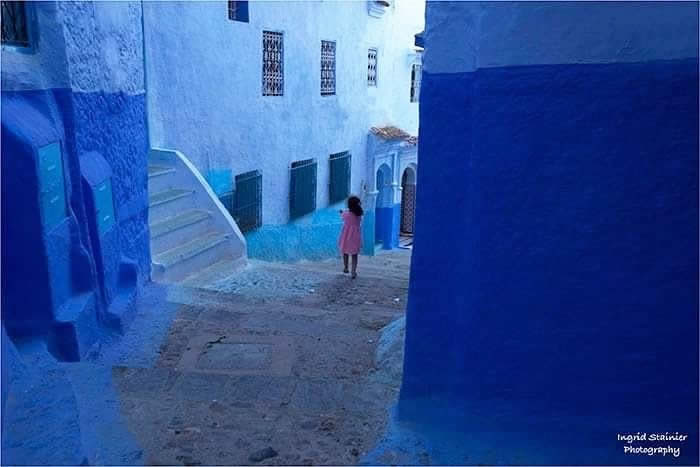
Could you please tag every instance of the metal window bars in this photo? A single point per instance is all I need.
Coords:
(302, 188)
(372, 67)
(273, 64)
(327, 68)
(415, 82)
(339, 185)
(15, 30)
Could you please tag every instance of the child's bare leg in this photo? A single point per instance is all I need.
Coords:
(345, 263)
(354, 266)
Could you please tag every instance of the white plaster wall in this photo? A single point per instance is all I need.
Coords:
(104, 46)
(204, 87)
(494, 34)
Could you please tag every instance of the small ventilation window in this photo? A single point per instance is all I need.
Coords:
(415, 82)
(273, 64)
(302, 188)
(15, 25)
(238, 11)
(339, 188)
(327, 68)
(372, 67)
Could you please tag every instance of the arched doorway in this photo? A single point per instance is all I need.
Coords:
(408, 200)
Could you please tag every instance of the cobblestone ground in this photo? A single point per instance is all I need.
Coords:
(275, 365)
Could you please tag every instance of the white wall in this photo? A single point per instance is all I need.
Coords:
(204, 86)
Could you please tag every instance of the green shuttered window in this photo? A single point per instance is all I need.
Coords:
(339, 186)
(302, 189)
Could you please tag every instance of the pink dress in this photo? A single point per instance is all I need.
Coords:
(350, 240)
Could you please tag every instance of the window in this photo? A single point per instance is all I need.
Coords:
(415, 82)
(247, 205)
(339, 177)
(327, 68)
(15, 30)
(273, 64)
(372, 67)
(302, 188)
(238, 11)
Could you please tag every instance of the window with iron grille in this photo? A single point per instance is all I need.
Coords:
(273, 64)
(247, 210)
(302, 188)
(238, 11)
(327, 68)
(339, 177)
(15, 28)
(415, 82)
(372, 67)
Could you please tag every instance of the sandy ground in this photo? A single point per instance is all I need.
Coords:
(275, 365)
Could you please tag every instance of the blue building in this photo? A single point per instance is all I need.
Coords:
(558, 306)
(74, 169)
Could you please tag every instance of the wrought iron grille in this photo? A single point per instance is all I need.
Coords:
(15, 30)
(238, 11)
(226, 199)
(302, 188)
(247, 209)
(339, 177)
(415, 82)
(327, 68)
(372, 67)
(273, 64)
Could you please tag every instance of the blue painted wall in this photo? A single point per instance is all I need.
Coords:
(312, 237)
(387, 226)
(67, 279)
(558, 305)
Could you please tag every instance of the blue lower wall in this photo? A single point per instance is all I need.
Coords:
(312, 237)
(60, 276)
(388, 223)
(558, 221)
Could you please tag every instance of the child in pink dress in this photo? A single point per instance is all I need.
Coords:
(350, 240)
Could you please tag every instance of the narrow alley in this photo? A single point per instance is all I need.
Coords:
(277, 364)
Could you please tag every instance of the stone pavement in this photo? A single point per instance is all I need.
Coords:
(278, 360)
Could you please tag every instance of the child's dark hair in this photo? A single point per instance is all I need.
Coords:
(354, 206)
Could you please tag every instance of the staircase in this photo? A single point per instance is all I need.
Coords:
(190, 228)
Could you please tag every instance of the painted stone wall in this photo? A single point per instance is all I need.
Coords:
(82, 88)
(205, 99)
(554, 287)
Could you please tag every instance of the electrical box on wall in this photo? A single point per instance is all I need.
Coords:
(104, 206)
(52, 193)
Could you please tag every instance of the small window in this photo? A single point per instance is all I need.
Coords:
(15, 27)
(415, 82)
(327, 68)
(372, 67)
(273, 64)
(339, 177)
(247, 205)
(238, 11)
(302, 188)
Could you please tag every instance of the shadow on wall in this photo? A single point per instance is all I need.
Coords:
(312, 237)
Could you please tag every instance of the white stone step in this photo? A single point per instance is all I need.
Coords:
(163, 204)
(178, 229)
(160, 178)
(177, 263)
(159, 170)
(216, 272)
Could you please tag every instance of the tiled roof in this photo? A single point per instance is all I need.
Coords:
(391, 132)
